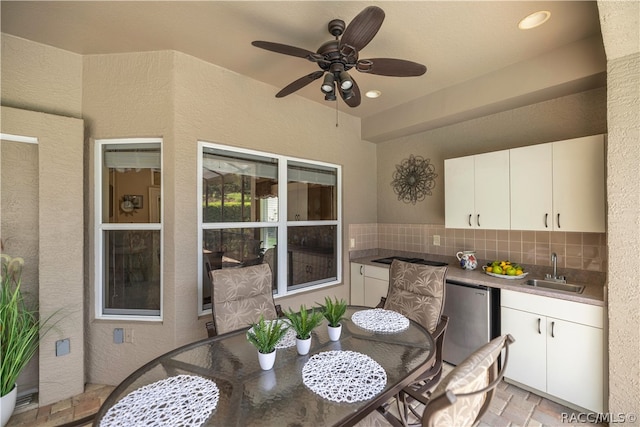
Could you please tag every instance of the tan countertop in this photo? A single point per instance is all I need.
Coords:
(593, 292)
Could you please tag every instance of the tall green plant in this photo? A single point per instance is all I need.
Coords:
(334, 311)
(304, 322)
(265, 335)
(20, 326)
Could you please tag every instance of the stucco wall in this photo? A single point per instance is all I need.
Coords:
(126, 95)
(621, 35)
(19, 225)
(40, 78)
(60, 244)
(567, 117)
(48, 80)
(183, 100)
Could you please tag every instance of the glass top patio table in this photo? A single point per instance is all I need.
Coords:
(277, 397)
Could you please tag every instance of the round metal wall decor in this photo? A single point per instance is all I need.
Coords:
(413, 179)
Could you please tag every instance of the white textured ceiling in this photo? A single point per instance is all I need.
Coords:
(457, 40)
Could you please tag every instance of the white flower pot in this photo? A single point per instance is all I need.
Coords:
(303, 346)
(267, 360)
(334, 332)
(7, 405)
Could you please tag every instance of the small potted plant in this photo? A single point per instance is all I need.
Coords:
(333, 311)
(264, 336)
(303, 323)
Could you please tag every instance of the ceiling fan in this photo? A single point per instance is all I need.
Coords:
(338, 56)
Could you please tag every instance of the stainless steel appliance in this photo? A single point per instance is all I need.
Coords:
(474, 319)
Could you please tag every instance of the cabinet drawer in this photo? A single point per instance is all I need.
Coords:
(376, 272)
(586, 314)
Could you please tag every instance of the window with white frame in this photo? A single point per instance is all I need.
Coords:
(128, 237)
(264, 208)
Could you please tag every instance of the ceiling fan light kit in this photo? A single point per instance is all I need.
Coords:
(327, 85)
(337, 57)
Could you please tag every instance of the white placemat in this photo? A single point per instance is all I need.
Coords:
(289, 339)
(183, 400)
(380, 320)
(344, 376)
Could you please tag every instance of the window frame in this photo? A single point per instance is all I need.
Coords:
(100, 227)
(282, 224)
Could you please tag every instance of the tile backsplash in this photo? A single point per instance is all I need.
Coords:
(582, 251)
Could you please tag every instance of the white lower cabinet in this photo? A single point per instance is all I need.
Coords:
(559, 348)
(368, 284)
(357, 284)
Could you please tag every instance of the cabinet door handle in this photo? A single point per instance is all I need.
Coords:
(469, 220)
(478, 220)
(553, 324)
(546, 216)
(361, 268)
(558, 220)
(539, 330)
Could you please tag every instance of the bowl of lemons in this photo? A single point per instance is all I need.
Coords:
(504, 270)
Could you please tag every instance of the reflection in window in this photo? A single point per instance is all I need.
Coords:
(311, 192)
(132, 273)
(312, 255)
(243, 216)
(239, 247)
(129, 274)
(238, 187)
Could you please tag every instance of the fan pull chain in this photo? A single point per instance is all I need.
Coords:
(336, 113)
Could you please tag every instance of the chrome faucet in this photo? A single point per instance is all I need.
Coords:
(554, 276)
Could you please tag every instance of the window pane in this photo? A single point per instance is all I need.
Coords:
(238, 187)
(236, 248)
(131, 174)
(132, 271)
(311, 191)
(312, 255)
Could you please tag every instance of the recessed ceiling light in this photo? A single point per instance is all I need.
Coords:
(534, 20)
(373, 94)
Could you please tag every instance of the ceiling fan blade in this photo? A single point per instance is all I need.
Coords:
(363, 27)
(354, 101)
(391, 67)
(287, 50)
(299, 84)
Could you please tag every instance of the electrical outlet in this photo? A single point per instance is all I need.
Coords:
(118, 336)
(128, 335)
(63, 347)
(436, 240)
(352, 243)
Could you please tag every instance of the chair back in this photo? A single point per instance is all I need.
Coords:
(464, 395)
(417, 291)
(239, 296)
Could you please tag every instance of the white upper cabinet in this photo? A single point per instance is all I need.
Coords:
(531, 187)
(559, 186)
(459, 200)
(477, 191)
(579, 185)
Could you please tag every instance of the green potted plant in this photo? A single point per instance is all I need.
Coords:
(333, 311)
(264, 335)
(20, 331)
(303, 323)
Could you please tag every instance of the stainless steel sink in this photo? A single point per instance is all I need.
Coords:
(556, 286)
